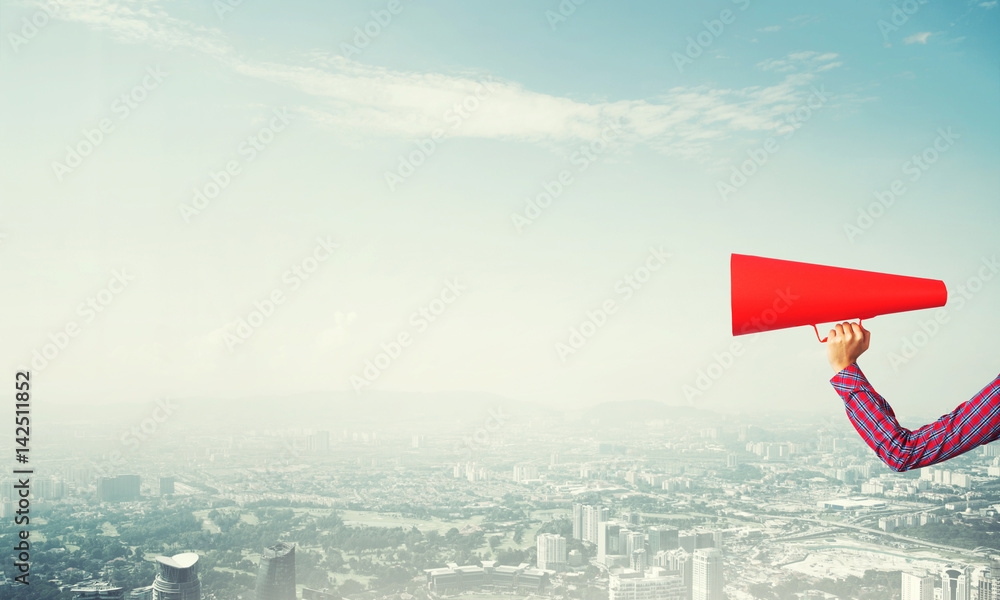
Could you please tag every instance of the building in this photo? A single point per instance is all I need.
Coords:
(638, 562)
(504, 579)
(166, 486)
(123, 488)
(318, 443)
(707, 581)
(143, 593)
(608, 542)
(657, 584)
(551, 551)
(631, 541)
(680, 561)
(524, 473)
(916, 587)
(987, 584)
(178, 578)
(593, 516)
(662, 538)
(276, 574)
(955, 584)
(577, 521)
(97, 590)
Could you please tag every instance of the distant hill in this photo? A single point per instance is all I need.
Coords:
(317, 409)
(640, 411)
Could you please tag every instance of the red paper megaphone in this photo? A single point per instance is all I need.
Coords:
(773, 294)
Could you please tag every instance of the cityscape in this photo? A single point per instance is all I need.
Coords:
(453, 300)
(484, 498)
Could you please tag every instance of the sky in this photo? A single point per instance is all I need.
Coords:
(229, 199)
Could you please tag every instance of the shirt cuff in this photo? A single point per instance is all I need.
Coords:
(849, 380)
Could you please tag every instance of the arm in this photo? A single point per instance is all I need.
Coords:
(971, 424)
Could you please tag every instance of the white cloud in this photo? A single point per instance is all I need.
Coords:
(990, 4)
(918, 38)
(807, 61)
(351, 97)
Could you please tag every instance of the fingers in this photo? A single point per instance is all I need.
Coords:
(848, 331)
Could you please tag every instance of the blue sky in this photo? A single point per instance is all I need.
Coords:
(844, 102)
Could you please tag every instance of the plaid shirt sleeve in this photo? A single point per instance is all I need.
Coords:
(973, 423)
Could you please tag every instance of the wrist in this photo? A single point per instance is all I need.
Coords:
(841, 365)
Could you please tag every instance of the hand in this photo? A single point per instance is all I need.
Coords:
(846, 343)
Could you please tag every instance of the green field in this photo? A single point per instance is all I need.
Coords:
(376, 519)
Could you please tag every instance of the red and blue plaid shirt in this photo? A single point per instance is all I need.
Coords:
(973, 423)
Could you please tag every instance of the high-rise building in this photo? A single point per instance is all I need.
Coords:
(123, 488)
(638, 562)
(707, 579)
(577, 521)
(654, 585)
(662, 538)
(955, 584)
(318, 443)
(178, 578)
(916, 587)
(632, 541)
(593, 516)
(525, 473)
(551, 551)
(608, 541)
(678, 560)
(987, 583)
(704, 539)
(276, 574)
(166, 486)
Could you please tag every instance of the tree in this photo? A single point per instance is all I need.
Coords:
(350, 586)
